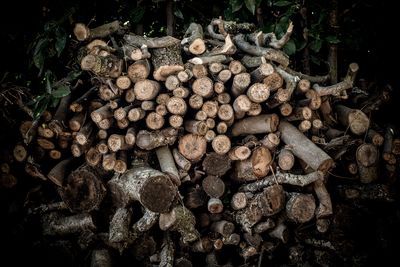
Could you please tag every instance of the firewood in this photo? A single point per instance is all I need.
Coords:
(150, 140)
(300, 113)
(387, 154)
(375, 137)
(256, 125)
(337, 89)
(280, 232)
(258, 92)
(264, 226)
(215, 205)
(240, 83)
(84, 178)
(148, 105)
(117, 142)
(355, 119)
(184, 75)
(182, 220)
(283, 178)
(20, 153)
(82, 32)
(181, 92)
(136, 114)
(105, 124)
(304, 149)
(203, 87)
(196, 127)
(201, 115)
(271, 141)
(241, 105)
(59, 118)
(213, 186)
(367, 157)
(303, 86)
(136, 53)
(269, 53)
(55, 154)
(216, 164)
(196, 101)
(267, 203)
(199, 71)
(85, 133)
(154, 121)
(175, 121)
(264, 70)
(221, 144)
(261, 160)
(300, 207)
(210, 135)
(152, 188)
(215, 68)
(167, 60)
(146, 89)
(45, 132)
(281, 96)
(210, 108)
(167, 164)
(286, 159)
(224, 76)
(192, 147)
(219, 87)
(104, 66)
(239, 153)
(45, 144)
(56, 224)
(108, 162)
(239, 201)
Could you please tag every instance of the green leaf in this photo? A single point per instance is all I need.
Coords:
(236, 5)
(290, 48)
(282, 3)
(316, 45)
(38, 61)
(251, 5)
(41, 106)
(73, 75)
(332, 39)
(61, 40)
(137, 14)
(61, 91)
(178, 13)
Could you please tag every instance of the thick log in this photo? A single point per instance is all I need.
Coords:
(367, 157)
(83, 189)
(194, 38)
(152, 188)
(304, 148)
(167, 60)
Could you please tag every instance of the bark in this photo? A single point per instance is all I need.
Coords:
(182, 220)
(167, 61)
(283, 178)
(256, 125)
(151, 140)
(354, 119)
(216, 164)
(56, 224)
(58, 172)
(84, 179)
(304, 149)
(194, 38)
(167, 164)
(300, 208)
(267, 203)
(152, 188)
(269, 53)
(367, 157)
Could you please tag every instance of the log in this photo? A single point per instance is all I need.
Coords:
(255, 125)
(213, 186)
(84, 179)
(261, 160)
(167, 164)
(150, 140)
(182, 220)
(286, 159)
(152, 188)
(167, 60)
(194, 38)
(240, 83)
(82, 32)
(193, 147)
(300, 208)
(203, 86)
(304, 149)
(140, 70)
(258, 92)
(355, 119)
(216, 164)
(367, 157)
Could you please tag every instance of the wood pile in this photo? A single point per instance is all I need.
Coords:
(200, 146)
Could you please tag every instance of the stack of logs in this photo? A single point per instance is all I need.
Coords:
(222, 144)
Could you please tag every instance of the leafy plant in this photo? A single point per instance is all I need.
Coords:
(54, 91)
(47, 45)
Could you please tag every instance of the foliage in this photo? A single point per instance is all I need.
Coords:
(48, 45)
(54, 91)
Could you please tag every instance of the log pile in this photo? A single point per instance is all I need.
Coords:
(202, 145)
